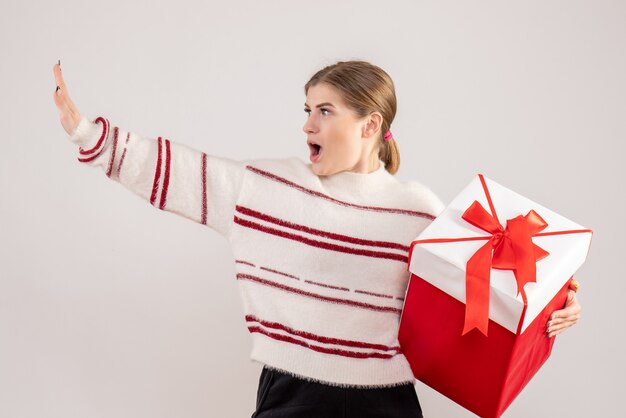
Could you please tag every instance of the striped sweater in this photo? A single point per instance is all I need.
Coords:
(320, 261)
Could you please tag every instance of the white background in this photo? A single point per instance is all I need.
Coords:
(110, 308)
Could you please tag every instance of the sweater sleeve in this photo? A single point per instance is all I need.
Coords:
(171, 176)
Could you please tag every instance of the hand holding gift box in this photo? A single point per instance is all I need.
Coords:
(564, 318)
(480, 294)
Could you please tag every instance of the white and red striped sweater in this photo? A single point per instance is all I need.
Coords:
(321, 261)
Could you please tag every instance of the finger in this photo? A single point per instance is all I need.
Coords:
(564, 324)
(64, 103)
(565, 312)
(63, 100)
(557, 321)
(552, 334)
(555, 331)
(58, 76)
(70, 107)
(559, 316)
(558, 329)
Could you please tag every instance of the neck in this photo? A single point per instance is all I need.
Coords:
(370, 166)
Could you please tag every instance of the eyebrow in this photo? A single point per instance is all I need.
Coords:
(322, 104)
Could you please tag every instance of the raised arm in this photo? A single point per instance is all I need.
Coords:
(169, 175)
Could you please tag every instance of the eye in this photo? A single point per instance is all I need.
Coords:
(323, 109)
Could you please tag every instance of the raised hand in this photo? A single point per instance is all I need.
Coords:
(68, 113)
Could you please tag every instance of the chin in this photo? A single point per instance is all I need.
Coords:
(317, 170)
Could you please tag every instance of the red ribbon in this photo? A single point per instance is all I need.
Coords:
(509, 248)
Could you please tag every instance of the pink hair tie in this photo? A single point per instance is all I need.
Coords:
(388, 135)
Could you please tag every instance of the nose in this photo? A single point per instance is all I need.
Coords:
(309, 126)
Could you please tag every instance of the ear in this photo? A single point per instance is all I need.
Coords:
(373, 124)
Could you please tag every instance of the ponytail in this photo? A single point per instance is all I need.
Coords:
(389, 154)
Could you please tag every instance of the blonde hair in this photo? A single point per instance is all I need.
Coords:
(365, 88)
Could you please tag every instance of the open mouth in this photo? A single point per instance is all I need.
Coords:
(315, 150)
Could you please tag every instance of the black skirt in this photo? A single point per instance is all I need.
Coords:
(281, 395)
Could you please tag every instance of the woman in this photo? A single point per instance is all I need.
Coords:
(321, 268)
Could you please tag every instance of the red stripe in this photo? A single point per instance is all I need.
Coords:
(313, 231)
(112, 156)
(488, 196)
(204, 197)
(572, 231)
(119, 167)
(320, 244)
(380, 295)
(332, 199)
(157, 174)
(86, 160)
(327, 285)
(241, 276)
(335, 351)
(320, 338)
(105, 129)
(166, 176)
(279, 272)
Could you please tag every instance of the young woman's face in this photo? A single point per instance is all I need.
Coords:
(340, 136)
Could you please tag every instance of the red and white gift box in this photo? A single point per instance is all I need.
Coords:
(485, 276)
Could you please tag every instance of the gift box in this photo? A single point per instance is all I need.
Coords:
(485, 276)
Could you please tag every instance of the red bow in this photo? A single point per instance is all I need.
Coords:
(509, 248)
